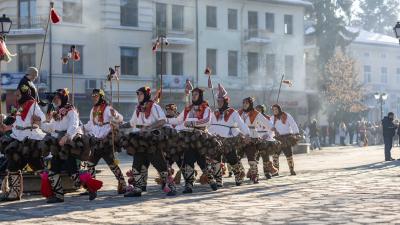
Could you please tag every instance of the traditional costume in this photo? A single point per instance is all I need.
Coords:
(196, 116)
(21, 147)
(286, 131)
(227, 123)
(64, 127)
(147, 117)
(99, 129)
(256, 122)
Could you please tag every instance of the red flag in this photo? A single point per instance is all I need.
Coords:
(208, 71)
(76, 56)
(188, 87)
(55, 18)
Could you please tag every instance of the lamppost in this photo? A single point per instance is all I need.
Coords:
(396, 30)
(381, 98)
(5, 27)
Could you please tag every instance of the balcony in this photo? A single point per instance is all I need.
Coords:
(28, 25)
(257, 36)
(175, 37)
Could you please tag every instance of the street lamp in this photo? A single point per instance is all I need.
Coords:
(5, 26)
(381, 98)
(396, 30)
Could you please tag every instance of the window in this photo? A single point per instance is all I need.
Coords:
(161, 18)
(289, 65)
(177, 63)
(252, 24)
(271, 65)
(129, 13)
(26, 56)
(177, 17)
(232, 63)
(288, 19)
(129, 61)
(27, 13)
(212, 60)
(398, 75)
(384, 78)
(211, 16)
(72, 11)
(164, 63)
(367, 74)
(252, 64)
(78, 65)
(269, 22)
(232, 19)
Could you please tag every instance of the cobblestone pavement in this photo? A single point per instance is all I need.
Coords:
(333, 186)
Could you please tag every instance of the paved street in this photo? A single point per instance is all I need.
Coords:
(333, 186)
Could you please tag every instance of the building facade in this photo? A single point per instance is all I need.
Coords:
(247, 43)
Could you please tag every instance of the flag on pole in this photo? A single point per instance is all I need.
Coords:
(208, 72)
(75, 55)
(288, 82)
(155, 46)
(5, 54)
(55, 18)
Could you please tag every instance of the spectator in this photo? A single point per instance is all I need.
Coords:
(351, 129)
(314, 135)
(389, 130)
(332, 133)
(342, 133)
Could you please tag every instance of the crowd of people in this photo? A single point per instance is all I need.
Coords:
(361, 133)
(55, 141)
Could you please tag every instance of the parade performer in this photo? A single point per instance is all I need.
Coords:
(196, 116)
(267, 134)
(28, 80)
(103, 118)
(148, 116)
(256, 122)
(63, 125)
(227, 123)
(21, 147)
(286, 131)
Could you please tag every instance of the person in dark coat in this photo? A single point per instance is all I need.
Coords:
(389, 130)
(30, 76)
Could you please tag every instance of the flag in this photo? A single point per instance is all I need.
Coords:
(208, 71)
(188, 87)
(155, 46)
(5, 55)
(288, 82)
(55, 18)
(75, 55)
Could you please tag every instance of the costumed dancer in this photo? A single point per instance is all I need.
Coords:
(269, 135)
(99, 127)
(227, 123)
(256, 122)
(196, 116)
(147, 117)
(25, 131)
(285, 129)
(63, 125)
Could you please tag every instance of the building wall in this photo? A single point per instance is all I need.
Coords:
(102, 37)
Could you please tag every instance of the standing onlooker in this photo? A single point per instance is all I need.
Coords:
(351, 129)
(389, 130)
(342, 133)
(314, 135)
(332, 133)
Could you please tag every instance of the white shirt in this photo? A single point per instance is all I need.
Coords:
(156, 114)
(94, 128)
(260, 123)
(191, 117)
(35, 134)
(290, 127)
(69, 123)
(230, 128)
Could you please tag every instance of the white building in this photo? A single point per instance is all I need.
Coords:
(378, 60)
(248, 44)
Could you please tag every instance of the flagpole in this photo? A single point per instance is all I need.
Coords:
(45, 37)
(73, 80)
(280, 86)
